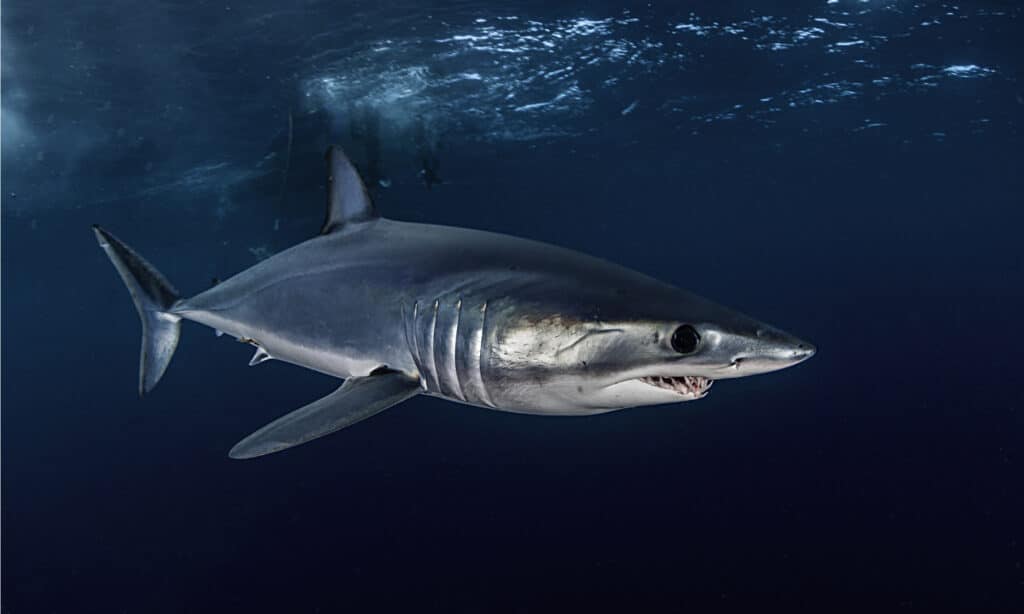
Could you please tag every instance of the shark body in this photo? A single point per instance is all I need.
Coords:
(398, 309)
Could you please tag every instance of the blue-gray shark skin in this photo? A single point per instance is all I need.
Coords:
(398, 309)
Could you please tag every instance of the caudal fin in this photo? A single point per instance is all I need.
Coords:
(153, 296)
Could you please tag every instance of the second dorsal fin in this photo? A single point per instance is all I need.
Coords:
(347, 199)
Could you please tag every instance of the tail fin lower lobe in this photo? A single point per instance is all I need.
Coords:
(153, 296)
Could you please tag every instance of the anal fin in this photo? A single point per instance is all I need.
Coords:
(261, 355)
(357, 399)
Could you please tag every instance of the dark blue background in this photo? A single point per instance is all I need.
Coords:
(885, 471)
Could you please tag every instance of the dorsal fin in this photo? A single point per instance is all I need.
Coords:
(347, 199)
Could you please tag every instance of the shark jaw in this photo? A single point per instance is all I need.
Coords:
(692, 386)
(648, 390)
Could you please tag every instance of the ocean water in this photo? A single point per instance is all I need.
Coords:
(848, 170)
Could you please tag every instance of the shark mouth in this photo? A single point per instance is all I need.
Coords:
(688, 384)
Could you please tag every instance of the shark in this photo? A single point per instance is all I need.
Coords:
(398, 309)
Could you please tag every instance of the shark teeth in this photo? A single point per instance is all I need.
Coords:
(688, 384)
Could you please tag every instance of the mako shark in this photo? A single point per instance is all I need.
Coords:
(399, 309)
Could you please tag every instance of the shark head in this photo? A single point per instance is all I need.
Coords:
(650, 344)
(669, 361)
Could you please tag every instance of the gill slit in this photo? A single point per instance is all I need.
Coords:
(480, 355)
(416, 341)
(432, 349)
(453, 347)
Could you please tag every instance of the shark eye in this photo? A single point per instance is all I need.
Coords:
(685, 339)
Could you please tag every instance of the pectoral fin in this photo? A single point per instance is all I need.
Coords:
(357, 399)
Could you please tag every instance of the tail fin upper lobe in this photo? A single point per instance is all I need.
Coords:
(153, 296)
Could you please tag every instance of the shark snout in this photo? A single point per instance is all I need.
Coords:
(773, 349)
(767, 350)
(803, 351)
